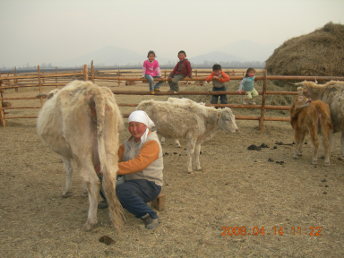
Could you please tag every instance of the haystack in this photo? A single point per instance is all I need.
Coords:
(318, 53)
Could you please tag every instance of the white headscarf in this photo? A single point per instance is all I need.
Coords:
(141, 117)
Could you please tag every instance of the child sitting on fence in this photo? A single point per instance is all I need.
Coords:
(151, 70)
(180, 71)
(219, 78)
(247, 84)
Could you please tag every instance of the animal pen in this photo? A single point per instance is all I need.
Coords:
(38, 80)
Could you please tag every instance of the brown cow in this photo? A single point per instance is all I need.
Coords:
(82, 122)
(332, 93)
(313, 117)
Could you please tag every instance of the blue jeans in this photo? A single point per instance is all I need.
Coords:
(134, 195)
(223, 98)
(151, 81)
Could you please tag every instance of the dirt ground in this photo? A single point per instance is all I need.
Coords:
(237, 190)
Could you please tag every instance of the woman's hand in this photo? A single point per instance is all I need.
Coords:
(240, 91)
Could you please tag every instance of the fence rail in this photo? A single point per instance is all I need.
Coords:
(90, 75)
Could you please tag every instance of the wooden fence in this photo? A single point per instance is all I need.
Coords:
(85, 76)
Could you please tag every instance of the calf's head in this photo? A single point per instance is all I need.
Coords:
(227, 120)
(300, 102)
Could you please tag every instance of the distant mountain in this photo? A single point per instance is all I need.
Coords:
(241, 51)
(107, 56)
(110, 56)
(216, 57)
(249, 50)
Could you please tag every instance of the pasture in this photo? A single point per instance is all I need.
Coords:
(265, 192)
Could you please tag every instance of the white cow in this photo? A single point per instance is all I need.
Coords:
(82, 122)
(182, 100)
(190, 120)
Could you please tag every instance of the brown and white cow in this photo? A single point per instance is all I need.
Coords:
(313, 117)
(331, 93)
(82, 122)
(190, 120)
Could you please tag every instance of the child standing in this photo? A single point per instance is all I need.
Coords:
(180, 71)
(247, 84)
(219, 78)
(151, 70)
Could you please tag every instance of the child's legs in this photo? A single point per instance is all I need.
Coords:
(158, 84)
(223, 98)
(214, 99)
(255, 93)
(174, 83)
(248, 95)
(150, 80)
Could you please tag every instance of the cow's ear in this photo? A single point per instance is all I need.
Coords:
(300, 91)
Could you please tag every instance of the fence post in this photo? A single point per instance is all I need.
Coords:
(118, 75)
(85, 73)
(261, 119)
(92, 72)
(2, 112)
(15, 81)
(40, 83)
(56, 80)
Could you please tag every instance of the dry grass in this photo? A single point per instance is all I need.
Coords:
(318, 53)
(236, 188)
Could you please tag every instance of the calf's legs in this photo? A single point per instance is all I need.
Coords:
(190, 149)
(197, 153)
(299, 137)
(68, 166)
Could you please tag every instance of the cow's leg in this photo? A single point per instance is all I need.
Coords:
(342, 143)
(315, 142)
(68, 166)
(93, 185)
(84, 189)
(330, 141)
(190, 149)
(298, 136)
(176, 141)
(197, 153)
(326, 144)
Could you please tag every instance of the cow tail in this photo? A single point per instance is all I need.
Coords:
(108, 157)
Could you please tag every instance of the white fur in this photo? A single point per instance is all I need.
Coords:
(187, 119)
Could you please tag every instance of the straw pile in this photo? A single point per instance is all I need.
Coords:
(318, 53)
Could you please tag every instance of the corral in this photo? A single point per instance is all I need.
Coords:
(264, 190)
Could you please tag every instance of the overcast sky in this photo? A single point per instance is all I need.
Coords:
(37, 31)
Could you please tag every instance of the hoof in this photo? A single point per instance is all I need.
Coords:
(340, 158)
(327, 164)
(314, 162)
(190, 172)
(199, 169)
(66, 194)
(88, 226)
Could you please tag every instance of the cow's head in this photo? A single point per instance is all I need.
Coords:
(300, 102)
(227, 120)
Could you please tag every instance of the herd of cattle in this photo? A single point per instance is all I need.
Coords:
(82, 122)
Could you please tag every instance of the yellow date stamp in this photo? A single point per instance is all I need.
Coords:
(274, 231)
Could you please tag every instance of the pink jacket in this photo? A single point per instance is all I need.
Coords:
(152, 69)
